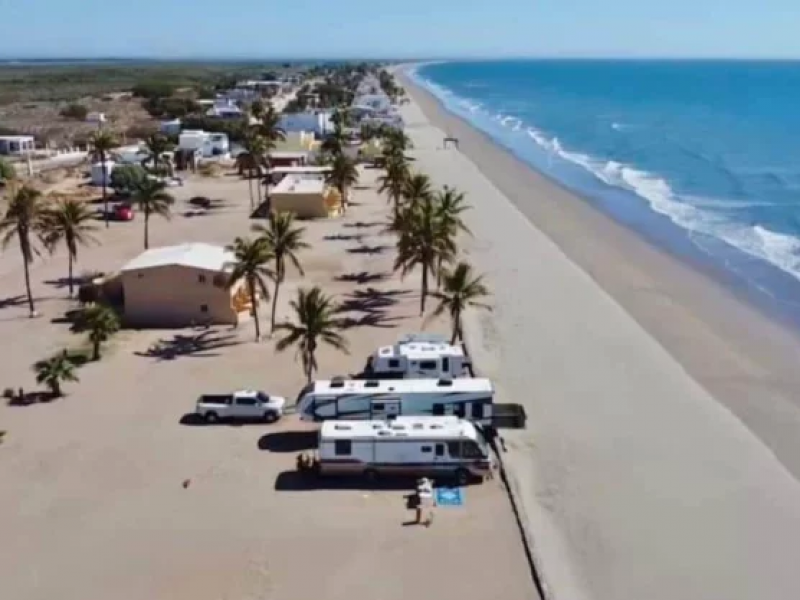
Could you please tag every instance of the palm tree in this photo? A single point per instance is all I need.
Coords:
(68, 220)
(101, 144)
(394, 181)
(462, 289)
(153, 199)
(100, 322)
(284, 241)
(423, 242)
(157, 146)
(252, 159)
(24, 217)
(55, 370)
(450, 204)
(252, 258)
(395, 142)
(257, 109)
(342, 175)
(316, 322)
(417, 189)
(7, 172)
(270, 128)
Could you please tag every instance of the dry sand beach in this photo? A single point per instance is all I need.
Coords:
(662, 455)
(92, 501)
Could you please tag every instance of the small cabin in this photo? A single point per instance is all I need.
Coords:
(418, 360)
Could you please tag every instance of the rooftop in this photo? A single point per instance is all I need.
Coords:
(421, 350)
(404, 386)
(296, 184)
(195, 255)
(410, 427)
(314, 170)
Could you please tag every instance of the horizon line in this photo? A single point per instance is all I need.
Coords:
(296, 59)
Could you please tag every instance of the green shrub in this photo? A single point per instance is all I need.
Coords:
(75, 111)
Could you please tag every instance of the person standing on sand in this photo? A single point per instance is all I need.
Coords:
(425, 501)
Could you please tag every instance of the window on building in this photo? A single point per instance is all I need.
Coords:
(204, 308)
(201, 278)
(343, 447)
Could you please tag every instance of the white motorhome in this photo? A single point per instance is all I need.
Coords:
(419, 446)
(375, 399)
(415, 358)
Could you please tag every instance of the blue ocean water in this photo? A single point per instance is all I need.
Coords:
(709, 147)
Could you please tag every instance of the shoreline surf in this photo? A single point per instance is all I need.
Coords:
(742, 251)
(739, 352)
(661, 454)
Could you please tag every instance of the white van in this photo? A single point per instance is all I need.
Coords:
(418, 446)
(352, 399)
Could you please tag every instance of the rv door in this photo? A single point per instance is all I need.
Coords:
(384, 408)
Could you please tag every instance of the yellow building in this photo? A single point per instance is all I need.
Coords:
(307, 197)
(179, 286)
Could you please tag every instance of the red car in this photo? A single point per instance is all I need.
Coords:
(123, 212)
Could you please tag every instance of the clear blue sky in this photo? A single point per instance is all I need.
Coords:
(399, 28)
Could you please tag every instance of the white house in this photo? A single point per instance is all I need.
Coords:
(172, 127)
(17, 144)
(210, 144)
(96, 117)
(318, 123)
(97, 174)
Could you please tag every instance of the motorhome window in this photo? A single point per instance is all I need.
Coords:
(378, 406)
(394, 363)
(426, 449)
(342, 447)
(372, 384)
(246, 401)
(471, 450)
(477, 410)
(446, 364)
(460, 410)
(454, 449)
(439, 449)
(438, 409)
(428, 365)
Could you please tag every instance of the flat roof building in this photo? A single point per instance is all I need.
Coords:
(183, 285)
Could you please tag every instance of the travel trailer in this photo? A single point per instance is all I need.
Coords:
(418, 446)
(414, 358)
(375, 399)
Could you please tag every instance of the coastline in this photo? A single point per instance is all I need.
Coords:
(661, 458)
(700, 321)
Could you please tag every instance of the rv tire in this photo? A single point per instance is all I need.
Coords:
(462, 476)
(371, 475)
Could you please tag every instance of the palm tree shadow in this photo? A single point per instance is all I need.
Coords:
(363, 224)
(339, 237)
(199, 345)
(364, 249)
(12, 301)
(373, 304)
(361, 277)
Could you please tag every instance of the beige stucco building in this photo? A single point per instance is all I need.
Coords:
(308, 197)
(179, 286)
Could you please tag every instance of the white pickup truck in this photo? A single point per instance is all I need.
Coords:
(245, 405)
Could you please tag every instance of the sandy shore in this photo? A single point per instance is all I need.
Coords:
(92, 500)
(662, 455)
